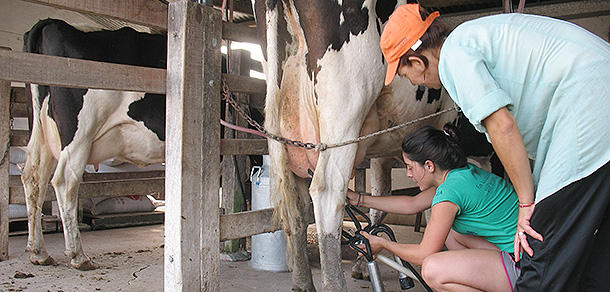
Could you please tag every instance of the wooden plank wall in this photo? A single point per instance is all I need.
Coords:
(193, 220)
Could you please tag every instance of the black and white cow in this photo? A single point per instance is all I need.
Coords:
(75, 127)
(325, 76)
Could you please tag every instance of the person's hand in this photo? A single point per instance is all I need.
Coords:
(377, 243)
(523, 228)
(353, 198)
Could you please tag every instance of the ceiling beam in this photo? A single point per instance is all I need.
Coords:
(566, 11)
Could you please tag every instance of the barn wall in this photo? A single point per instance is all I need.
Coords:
(599, 25)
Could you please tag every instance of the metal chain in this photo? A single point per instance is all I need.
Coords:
(320, 146)
(226, 96)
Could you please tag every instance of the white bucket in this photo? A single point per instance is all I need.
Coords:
(268, 249)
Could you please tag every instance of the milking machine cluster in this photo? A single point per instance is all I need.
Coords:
(405, 275)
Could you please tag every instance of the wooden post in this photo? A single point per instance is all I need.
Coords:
(231, 192)
(193, 148)
(5, 128)
(360, 181)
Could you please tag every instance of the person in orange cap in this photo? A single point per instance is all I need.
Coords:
(539, 88)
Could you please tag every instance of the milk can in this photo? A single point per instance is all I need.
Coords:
(268, 249)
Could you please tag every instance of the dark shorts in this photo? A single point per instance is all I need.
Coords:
(575, 253)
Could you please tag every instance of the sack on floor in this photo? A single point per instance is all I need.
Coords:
(17, 211)
(126, 204)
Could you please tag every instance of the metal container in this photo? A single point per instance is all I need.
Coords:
(268, 249)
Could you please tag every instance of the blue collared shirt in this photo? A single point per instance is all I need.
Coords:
(552, 75)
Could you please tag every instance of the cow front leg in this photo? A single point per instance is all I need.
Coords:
(35, 177)
(381, 185)
(66, 181)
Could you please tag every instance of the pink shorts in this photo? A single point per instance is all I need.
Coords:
(510, 267)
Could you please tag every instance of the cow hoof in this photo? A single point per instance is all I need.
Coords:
(360, 270)
(42, 261)
(299, 289)
(83, 265)
(86, 266)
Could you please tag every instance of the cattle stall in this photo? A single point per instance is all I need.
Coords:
(189, 182)
(188, 79)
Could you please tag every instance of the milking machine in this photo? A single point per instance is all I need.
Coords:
(405, 274)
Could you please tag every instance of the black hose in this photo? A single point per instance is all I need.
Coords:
(373, 229)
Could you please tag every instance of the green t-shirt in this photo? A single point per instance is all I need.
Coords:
(488, 205)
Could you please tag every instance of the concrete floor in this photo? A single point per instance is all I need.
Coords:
(131, 259)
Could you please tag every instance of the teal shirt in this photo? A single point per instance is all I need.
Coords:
(488, 205)
(554, 78)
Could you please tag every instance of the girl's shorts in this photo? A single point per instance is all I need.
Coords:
(511, 269)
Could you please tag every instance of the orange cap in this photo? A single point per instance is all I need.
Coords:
(403, 32)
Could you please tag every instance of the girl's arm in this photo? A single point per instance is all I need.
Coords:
(436, 233)
(394, 204)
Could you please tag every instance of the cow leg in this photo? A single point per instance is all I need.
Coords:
(381, 185)
(301, 271)
(67, 178)
(35, 177)
(327, 191)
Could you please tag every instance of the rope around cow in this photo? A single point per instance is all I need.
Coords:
(320, 146)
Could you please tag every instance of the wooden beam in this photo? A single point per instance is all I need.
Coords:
(76, 73)
(150, 13)
(192, 217)
(244, 147)
(19, 110)
(245, 84)
(238, 5)
(566, 11)
(5, 96)
(95, 189)
(18, 95)
(239, 33)
(20, 137)
(68, 72)
(247, 223)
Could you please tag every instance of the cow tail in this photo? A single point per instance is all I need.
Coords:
(284, 194)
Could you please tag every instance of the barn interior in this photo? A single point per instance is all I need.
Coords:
(133, 261)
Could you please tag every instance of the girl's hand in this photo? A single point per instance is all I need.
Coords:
(523, 228)
(353, 198)
(377, 243)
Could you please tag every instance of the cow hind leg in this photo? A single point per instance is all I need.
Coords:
(301, 270)
(328, 190)
(292, 209)
(35, 177)
(66, 180)
(381, 185)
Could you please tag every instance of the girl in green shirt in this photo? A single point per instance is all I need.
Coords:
(474, 214)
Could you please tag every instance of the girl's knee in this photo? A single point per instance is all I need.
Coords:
(432, 269)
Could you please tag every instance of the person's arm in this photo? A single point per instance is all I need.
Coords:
(436, 233)
(394, 204)
(508, 145)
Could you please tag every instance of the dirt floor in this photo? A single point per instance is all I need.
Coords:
(131, 259)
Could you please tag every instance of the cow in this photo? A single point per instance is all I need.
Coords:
(325, 85)
(74, 127)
